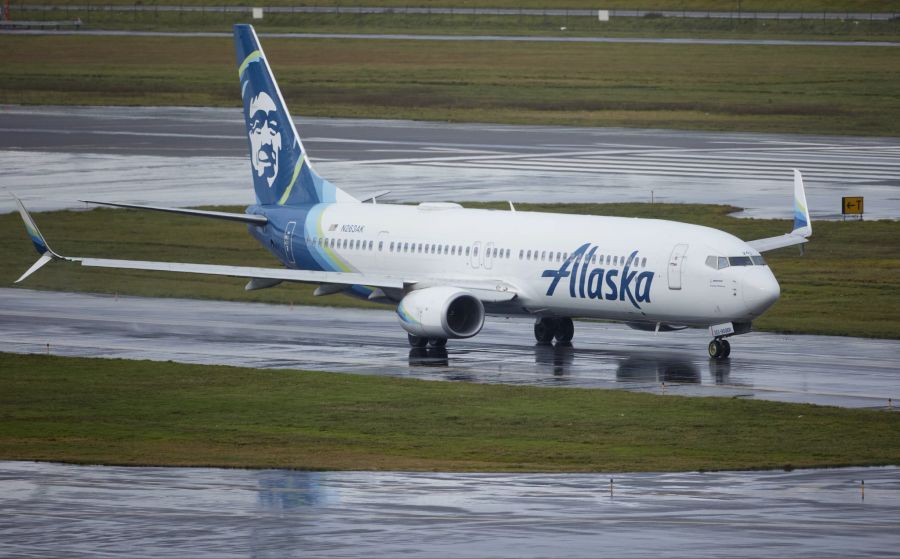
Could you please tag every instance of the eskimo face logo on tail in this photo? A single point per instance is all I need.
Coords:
(265, 137)
(597, 282)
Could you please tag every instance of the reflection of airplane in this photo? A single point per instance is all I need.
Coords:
(446, 267)
(648, 368)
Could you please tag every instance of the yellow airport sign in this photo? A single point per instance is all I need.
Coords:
(852, 205)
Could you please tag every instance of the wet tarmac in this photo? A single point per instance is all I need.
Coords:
(52, 510)
(55, 156)
(847, 372)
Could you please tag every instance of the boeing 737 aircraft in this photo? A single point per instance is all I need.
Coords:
(446, 267)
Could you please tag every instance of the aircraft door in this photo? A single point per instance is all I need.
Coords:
(475, 257)
(381, 245)
(676, 261)
(289, 241)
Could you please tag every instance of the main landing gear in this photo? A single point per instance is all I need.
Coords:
(719, 349)
(546, 329)
(422, 341)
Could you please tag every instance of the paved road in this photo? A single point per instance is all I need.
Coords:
(55, 510)
(850, 372)
(489, 38)
(54, 156)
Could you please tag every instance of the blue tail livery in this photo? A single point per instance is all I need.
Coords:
(282, 173)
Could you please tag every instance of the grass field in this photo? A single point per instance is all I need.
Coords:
(757, 88)
(147, 413)
(888, 6)
(848, 283)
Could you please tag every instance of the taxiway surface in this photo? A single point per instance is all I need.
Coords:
(55, 156)
(849, 372)
(61, 510)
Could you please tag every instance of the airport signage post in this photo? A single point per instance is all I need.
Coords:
(852, 205)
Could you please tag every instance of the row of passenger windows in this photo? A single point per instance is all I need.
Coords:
(456, 250)
(720, 262)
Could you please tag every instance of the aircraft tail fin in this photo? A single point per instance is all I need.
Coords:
(282, 173)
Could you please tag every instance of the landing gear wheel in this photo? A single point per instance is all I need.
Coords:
(545, 329)
(719, 349)
(726, 349)
(417, 341)
(437, 342)
(565, 331)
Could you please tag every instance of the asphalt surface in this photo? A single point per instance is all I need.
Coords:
(455, 38)
(53, 510)
(55, 156)
(849, 372)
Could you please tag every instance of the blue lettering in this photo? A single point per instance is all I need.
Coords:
(587, 283)
(595, 283)
(611, 283)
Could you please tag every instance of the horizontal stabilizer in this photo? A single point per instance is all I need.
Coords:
(245, 218)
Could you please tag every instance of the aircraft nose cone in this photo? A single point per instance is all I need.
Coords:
(761, 290)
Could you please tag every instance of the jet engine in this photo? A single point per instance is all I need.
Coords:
(441, 312)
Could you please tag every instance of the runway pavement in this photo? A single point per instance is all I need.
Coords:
(456, 38)
(55, 156)
(54, 510)
(849, 372)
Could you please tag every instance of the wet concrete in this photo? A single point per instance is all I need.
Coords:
(848, 372)
(61, 510)
(55, 156)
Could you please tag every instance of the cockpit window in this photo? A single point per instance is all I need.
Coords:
(720, 262)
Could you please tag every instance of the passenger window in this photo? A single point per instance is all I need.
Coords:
(380, 246)
(468, 249)
(644, 262)
(392, 246)
(475, 251)
(528, 255)
(507, 254)
(453, 250)
(521, 254)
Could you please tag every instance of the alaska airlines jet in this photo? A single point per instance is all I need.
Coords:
(445, 267)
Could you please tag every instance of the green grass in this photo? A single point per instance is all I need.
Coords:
(848, 283)
(147, 413)
(817, 6)
(826, 90)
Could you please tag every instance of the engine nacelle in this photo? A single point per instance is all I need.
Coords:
(441, 312)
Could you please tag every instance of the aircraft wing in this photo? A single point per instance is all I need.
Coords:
(802, 223)
(485, 290)
(243, 218)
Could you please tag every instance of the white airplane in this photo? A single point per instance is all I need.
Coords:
(446, 267)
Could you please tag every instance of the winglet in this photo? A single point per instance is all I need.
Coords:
(802, 221)
(40, 244)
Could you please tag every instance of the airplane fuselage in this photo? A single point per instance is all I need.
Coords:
(629, 269)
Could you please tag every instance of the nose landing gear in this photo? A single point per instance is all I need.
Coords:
(719, 349)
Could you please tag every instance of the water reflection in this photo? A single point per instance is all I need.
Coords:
(558, 358)
(720, 371)
(666, 368)
(429, 357)
(284, 490)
